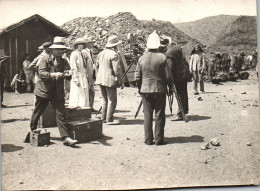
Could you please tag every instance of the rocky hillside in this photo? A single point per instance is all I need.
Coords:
(224, 32)
(121, 24)
(241, 35)
(206, 30)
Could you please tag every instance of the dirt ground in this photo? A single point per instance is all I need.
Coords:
(120, 160)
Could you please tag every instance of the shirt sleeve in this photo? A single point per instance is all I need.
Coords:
(74, 69)
(116, 68)
(168, 75)
(138, 75)
(44, 73)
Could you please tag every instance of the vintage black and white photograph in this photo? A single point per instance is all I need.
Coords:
(120, 94)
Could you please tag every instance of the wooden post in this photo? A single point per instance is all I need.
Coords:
(10, 58)
(27, 46)
(16, 51)
(124, 66)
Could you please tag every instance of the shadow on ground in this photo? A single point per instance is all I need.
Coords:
(14, 106)
(122, 111)
(197, 117)
(10, 148)
(103, 140)
(13, 120)
(132, 122)
(192, 139)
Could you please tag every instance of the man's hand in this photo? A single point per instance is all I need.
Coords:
(122, 86)
(56, 75)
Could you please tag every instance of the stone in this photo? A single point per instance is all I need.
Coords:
(215, 141)
(205, 146)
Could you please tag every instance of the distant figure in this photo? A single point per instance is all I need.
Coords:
(79, 88)
(241, 60)
(28, 73)
(3, 59)
(197, 68)
(18, 82)
(109, 77)
(153, 76)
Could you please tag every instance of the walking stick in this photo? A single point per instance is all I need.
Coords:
(138, 109)
(123, 77)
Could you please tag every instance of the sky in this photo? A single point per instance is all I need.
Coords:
(175, 11)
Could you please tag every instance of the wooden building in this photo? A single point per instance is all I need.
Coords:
(25, 37)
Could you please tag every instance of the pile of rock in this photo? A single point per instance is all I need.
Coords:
(121, 24)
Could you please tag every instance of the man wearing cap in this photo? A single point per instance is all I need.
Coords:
(79, 88)
(50, 88)
(87, 53)
(153, 76)
(109, 76)
(179, 73)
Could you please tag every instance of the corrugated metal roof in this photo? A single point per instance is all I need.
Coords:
(15, 25)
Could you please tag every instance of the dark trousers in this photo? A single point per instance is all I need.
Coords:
(109, 102)
(154, 102)
(183, 92)
(2, 92)
(58, 105)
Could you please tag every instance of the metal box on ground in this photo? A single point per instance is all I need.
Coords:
(40, 138)
(48, 118)
(78, 113)
(86, 130)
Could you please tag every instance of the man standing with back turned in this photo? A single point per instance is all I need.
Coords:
(152, 75)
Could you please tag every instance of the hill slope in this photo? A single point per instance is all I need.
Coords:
(240, 35)
(121, 24)
(207, 29)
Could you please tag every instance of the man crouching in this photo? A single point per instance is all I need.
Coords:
(152, 75)
(50, 88)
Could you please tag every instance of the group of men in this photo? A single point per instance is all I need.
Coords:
(52, 68)
(160, 71)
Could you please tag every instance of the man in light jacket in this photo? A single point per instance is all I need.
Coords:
(153, 76)
(109, 76)
(87, 53)
(197, 68)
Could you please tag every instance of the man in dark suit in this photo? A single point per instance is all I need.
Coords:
(50, 88)
(180, 75)
(153, 76)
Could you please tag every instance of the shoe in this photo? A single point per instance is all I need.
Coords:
(196, 93)
(3, 106)
(149, 142)
(115, 122)
(161, 143)
(178, 118)
(93, 110)
(202, 92)
(69, 141)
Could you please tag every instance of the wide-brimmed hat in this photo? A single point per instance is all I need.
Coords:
(40, 48)
(153, 41)
(46, 44)
(164, 42)
(89, 38)
(59, 40)
(79, 41)
(58, 46)
(113, 41)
